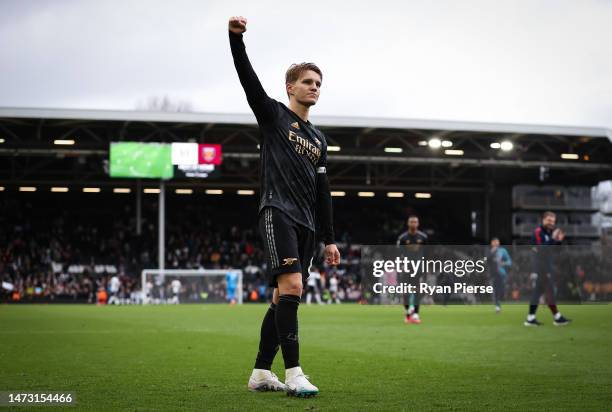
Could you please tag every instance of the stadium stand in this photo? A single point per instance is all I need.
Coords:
(66, 246)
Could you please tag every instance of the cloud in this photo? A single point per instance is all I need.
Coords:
(544, 62)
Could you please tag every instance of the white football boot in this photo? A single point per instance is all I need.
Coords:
(298, 385)
(263, 380)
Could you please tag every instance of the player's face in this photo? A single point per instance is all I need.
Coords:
(549, 222)
(495, 242)
(306, 89)
(413, 223)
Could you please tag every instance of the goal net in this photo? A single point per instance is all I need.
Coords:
(191, 286)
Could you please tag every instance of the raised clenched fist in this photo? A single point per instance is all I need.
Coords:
(237, 24)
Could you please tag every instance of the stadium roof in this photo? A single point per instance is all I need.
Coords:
(381, 153)
(323, 121)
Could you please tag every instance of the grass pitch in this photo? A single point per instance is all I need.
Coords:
(199, 357)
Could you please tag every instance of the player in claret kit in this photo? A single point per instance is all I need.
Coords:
(544, 238)
(293, 185)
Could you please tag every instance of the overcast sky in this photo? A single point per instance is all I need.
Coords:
(543, 62)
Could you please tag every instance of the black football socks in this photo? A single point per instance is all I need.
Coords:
(287, 328)
(268, 341)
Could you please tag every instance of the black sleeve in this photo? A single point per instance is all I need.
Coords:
(324, 209)
(263, 106)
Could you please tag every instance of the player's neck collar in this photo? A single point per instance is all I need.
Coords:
(298, 116)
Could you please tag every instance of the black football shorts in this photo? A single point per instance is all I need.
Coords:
(288, 246)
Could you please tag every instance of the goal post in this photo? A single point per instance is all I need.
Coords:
(160, 275)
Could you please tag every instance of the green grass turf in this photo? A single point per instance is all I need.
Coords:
(199, 357)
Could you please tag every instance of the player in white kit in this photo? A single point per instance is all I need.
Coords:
(313, 286)
(115, 285)
(333, 290)
(176, 290)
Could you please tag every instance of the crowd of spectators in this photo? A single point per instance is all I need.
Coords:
(68, 252)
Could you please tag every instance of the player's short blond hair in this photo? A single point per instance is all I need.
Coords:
(295, 71)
